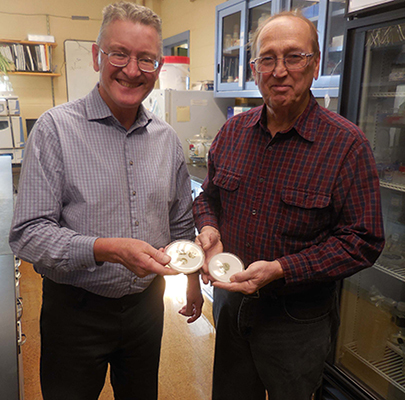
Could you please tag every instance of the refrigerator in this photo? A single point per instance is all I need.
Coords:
(189, 112)
(368, 361)
(12, 138)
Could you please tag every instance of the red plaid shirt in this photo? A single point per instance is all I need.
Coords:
(308, 197)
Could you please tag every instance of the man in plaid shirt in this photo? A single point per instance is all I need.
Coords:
(292, 189)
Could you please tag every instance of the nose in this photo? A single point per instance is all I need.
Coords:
(132, 69)
(279, 69)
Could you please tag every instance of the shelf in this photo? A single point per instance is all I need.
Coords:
(48, 74)
(393, 186)
(384, 95)
(336, 49)
(29, 57)
(230, 50)
(396, 272)
(389, 368)
(10, 41)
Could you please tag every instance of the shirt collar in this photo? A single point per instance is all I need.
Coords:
(97, 109)
(304, 125)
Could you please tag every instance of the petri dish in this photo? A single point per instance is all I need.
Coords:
(186, 256)
(223, 265)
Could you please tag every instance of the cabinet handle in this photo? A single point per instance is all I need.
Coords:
(21, 338)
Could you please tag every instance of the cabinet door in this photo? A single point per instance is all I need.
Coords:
(328, 17)
(230, 57)
(258, 12)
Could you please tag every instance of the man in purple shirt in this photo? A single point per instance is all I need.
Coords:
(104, 186)
(292, 189)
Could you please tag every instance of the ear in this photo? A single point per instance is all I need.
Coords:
(317, 61)
(96, 57)
(253, 72)
(161, 62)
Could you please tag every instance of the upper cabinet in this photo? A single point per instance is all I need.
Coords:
(236, 20)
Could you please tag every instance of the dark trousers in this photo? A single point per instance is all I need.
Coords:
(273, 344)
(82, 333)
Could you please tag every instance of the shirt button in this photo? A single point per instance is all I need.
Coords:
(247, 244)
(261, 180)
(270, 148)
(134, 193)
(136, 223)
(131, 163)
(84, 266)
(135, 279)
(254, 212)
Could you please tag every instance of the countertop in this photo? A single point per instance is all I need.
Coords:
(197, 174)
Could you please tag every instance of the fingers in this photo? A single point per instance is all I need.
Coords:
(160, 257)
(205, 277)
(191, 311)
(208, 237)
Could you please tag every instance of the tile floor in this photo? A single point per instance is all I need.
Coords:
(187, 349)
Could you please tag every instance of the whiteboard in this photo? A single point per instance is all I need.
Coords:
(80, 75)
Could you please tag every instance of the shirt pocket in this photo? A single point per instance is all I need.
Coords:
(226, 180)
(304, 213)
(228, 184)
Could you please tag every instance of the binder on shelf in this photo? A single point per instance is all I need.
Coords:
(44, 62)
(39, 59)
(28, 59)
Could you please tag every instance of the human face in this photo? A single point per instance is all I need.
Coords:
(286, 91)
(124, 88)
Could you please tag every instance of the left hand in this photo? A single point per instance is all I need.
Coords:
(259, 274)
(195, 300)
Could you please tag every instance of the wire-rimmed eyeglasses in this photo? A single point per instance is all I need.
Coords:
(292, 62)
(121, 60)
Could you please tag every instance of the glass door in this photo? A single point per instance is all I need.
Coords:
(230, 57)
(371, 343)
(333, 40)
(328, 18)
(258, 12)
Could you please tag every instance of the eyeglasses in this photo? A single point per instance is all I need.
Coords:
(121, 60)
(292, 62)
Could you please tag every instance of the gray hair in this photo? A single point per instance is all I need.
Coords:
(293, 13)
(135, 13)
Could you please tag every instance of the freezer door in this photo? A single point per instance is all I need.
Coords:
(18, 132)
(371, 342)
(6, 135)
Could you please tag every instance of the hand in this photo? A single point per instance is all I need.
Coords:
(257, 275)
(195, 300)
(210, 241)
(138, 256)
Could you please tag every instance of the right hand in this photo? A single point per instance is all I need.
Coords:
(138, 256)
(210, 241)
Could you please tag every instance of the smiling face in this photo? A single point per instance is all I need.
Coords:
(124, 89)
(286, 91)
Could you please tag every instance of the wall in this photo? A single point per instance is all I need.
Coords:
(21, 17)
(54, 17)
(198, 16)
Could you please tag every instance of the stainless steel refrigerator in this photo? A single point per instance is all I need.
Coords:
(369, 357)
(187, 111)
